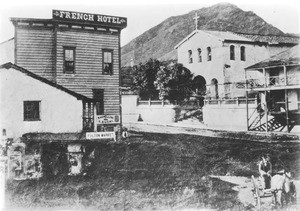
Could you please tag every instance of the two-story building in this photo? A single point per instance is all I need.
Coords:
(278, 86)
(218, 58)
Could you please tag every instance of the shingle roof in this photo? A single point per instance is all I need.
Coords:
(9, 65)
(288, 57)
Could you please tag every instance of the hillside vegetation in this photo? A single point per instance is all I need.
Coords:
(159, 41)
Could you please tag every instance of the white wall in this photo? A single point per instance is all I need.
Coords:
(149, 114)
(227, 117)
(129, 108)
(157, 113)
(207, 69)
(59, 111)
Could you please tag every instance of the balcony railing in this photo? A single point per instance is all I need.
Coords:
(273, 81)
(236, 101)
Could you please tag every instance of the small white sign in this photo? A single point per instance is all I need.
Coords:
(107, 119)
(101, 135)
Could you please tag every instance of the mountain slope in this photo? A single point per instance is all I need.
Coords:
(159, 41)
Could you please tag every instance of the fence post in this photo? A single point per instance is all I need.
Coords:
(95, 116)
(149, 102)
(163, 102)
(237, 101)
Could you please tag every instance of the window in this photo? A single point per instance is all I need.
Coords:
(232, 53)
(190, 56)
(69, 60)
(243, 53)
(208, 54)
(107, 57)
(98, 96)
(199, 55)
(31, 110)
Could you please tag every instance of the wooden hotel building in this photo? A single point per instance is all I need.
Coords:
(81, 52)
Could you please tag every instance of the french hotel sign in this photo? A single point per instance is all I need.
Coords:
(98, 19)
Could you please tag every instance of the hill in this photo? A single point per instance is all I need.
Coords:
(159, 41)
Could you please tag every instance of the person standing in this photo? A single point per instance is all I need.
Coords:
(265, 170)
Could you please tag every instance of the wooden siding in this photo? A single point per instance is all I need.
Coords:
(40, 50)
(34, 50)
(88, 65)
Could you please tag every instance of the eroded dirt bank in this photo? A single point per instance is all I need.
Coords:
(157, 171)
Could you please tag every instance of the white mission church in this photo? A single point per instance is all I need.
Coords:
(218, 58)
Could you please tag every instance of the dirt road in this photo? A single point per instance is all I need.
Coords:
(207, 132)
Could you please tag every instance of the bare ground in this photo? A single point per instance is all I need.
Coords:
(153, 171)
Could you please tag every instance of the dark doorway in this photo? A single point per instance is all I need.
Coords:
(214, 88)
(98, 96)
(199, 85)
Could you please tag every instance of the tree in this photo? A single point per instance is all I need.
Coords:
(143, 79)
(174, 83)
(157, 80)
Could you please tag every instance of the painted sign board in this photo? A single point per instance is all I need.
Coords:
(101, 135)
(98, 19)
(107, 119)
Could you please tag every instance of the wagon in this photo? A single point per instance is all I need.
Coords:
(261, 195)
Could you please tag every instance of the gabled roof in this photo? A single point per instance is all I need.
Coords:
(6, 41)
(9, 65)
(288, 57)
(227, 36)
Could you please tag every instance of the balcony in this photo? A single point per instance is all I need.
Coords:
(273, 81)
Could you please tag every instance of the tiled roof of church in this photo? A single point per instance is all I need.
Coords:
(288, 57)
(271, 39)
(243, 37)
(226, 35)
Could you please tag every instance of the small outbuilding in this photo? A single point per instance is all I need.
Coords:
(30, 103)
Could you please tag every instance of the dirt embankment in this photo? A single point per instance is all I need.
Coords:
(157, 171)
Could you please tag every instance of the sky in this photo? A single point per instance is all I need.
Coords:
(143, 15)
